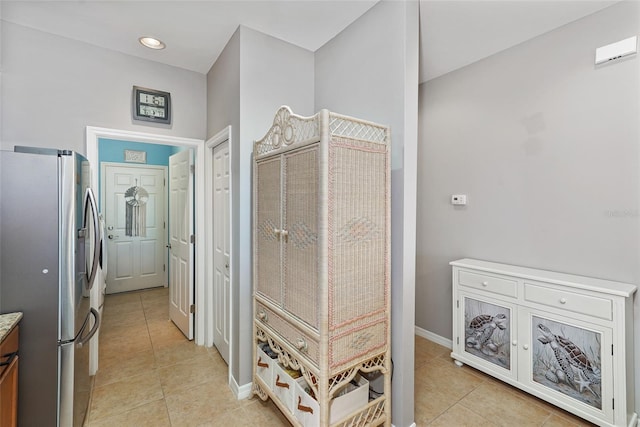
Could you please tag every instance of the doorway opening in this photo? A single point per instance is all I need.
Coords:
(204, 298)
(93, 137)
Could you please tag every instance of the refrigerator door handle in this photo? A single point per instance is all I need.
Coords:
(90, 203)
(84, 340)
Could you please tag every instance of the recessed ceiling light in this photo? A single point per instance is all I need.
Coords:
(151, 43)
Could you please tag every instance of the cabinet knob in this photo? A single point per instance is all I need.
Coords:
(301, 344)
(525, 346)
(514, 343)
(485, 283)
(563, 300)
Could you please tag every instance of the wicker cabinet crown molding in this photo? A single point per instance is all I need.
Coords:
(321, 251)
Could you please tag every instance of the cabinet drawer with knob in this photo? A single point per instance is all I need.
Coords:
(300, 341)
(489, 283)
(571, 301)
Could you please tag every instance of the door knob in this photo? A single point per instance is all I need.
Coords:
(168, 246)
(226, 266)
(111, 236)
(110, 227)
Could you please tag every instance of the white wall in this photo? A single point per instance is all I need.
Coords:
(53, 87)
(223, 88)
(272, 73)
(370, 71)
(269, 73)
(223, 109)
(545, 145)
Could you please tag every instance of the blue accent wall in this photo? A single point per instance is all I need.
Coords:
(112, 150)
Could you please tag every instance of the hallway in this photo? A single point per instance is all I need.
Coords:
(150, 375)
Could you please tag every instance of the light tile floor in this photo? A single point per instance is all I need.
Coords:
(150, 375)
(448, 395)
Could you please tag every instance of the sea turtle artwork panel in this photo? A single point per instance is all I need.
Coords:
(487, 332)
(567, 359)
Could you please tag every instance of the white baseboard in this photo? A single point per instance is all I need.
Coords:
(412, 424)
(241, 392)
(434, 337)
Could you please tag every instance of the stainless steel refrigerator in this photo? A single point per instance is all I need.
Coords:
(48, 235)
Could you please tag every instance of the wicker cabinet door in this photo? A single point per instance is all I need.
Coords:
(300, 245)
(268, 229)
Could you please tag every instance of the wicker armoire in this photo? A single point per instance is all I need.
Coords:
(321, 272)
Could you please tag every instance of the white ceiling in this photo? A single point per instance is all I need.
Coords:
(453, 33)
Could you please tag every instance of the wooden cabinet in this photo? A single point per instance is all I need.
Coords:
(9, 379)
(322, 268)
(564, 338)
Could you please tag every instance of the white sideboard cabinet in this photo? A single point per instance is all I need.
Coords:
(564, 338)
(321, 275)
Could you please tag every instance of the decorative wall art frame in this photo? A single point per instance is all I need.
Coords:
(133, 156)
(151, 105)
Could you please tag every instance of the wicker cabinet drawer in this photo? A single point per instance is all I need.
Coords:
(304, 343)
(488, 283)
(571, 301)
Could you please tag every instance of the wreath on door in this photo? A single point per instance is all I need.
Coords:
(136, 211)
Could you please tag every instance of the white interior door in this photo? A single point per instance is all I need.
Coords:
(180, 242)
(134, 210)
(221, 249)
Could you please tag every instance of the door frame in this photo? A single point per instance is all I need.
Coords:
(165, 207)
(93, 134)
(211, 144)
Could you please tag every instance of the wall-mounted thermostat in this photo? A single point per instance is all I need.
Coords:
(617, 50)
(459, 199)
